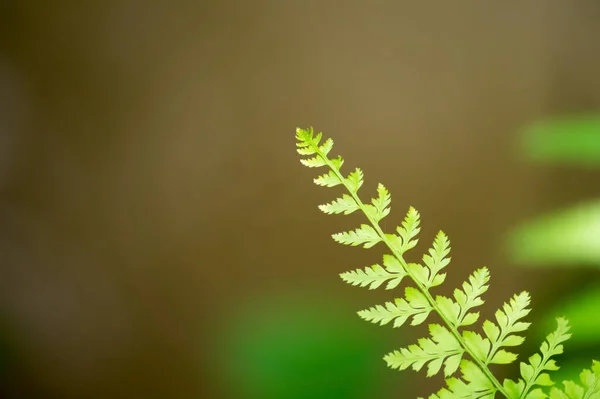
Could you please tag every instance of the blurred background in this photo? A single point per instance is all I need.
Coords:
(160, 239)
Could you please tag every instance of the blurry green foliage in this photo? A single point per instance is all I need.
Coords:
(566, 237)
(569, 139)
(582, 308)
(292, 349)
(570, 236)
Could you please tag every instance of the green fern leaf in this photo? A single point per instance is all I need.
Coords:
(589, 388)
(450, 309)
(414, 305)
(393, 265)
(441, 349)
(534, 373)
(373, 277)
(419, 272)
(315, 162)
(306, 151)
(365, 235)
(480, 347)
(381, 204)
(329, 179)
(408, 230)
(475, 384)
(509, 323)
(346, 205)
(326, 147)
(437, 258)
(337, 163)
(470, 296)
(479, 383)
(355, 180)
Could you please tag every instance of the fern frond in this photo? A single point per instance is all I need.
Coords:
(470, 296)
(365, 235)
(380, 207)
(473, 384)
(441, 349)
(589, 388)
(503, 334)
(345, 204)
(329, 179)
(534, 373)
(437, 258)
(354, 181)
(414, 304)
(409, 230)
(457, 313)
(373, 277)
(449, 346)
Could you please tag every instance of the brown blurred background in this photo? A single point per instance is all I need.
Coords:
(150, 185)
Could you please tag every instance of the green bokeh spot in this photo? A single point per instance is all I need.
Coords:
(567, 237)
(292, 349)
(571, 139)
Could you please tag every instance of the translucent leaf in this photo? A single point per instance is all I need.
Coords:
(329, 179)
(337, 162)
(478, 380)
(526, 371)
(307, 144)
(477, 344)
(491, 330)
(409, 229)
(513, 340)
(438, 280)
(355, 180)
(503, 357)
(393, 283)
(365, 235)
(470, 295)
(306, 151)
(538, 364)
(450, 309)
(392, 263)
(469, 319)
(372, 276)
(395, 243)
(536, 394)
(437, 258)
(420, 273)
(326, 147)
(416, 297)
(544, 380)
(513, 389)
(573, 390)
(508, 319)
(314, 162)
(304, 136)
(556, 393)
(381, 203)
(414, 305)
(452, 364)
(441, 348)
(346, 205)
